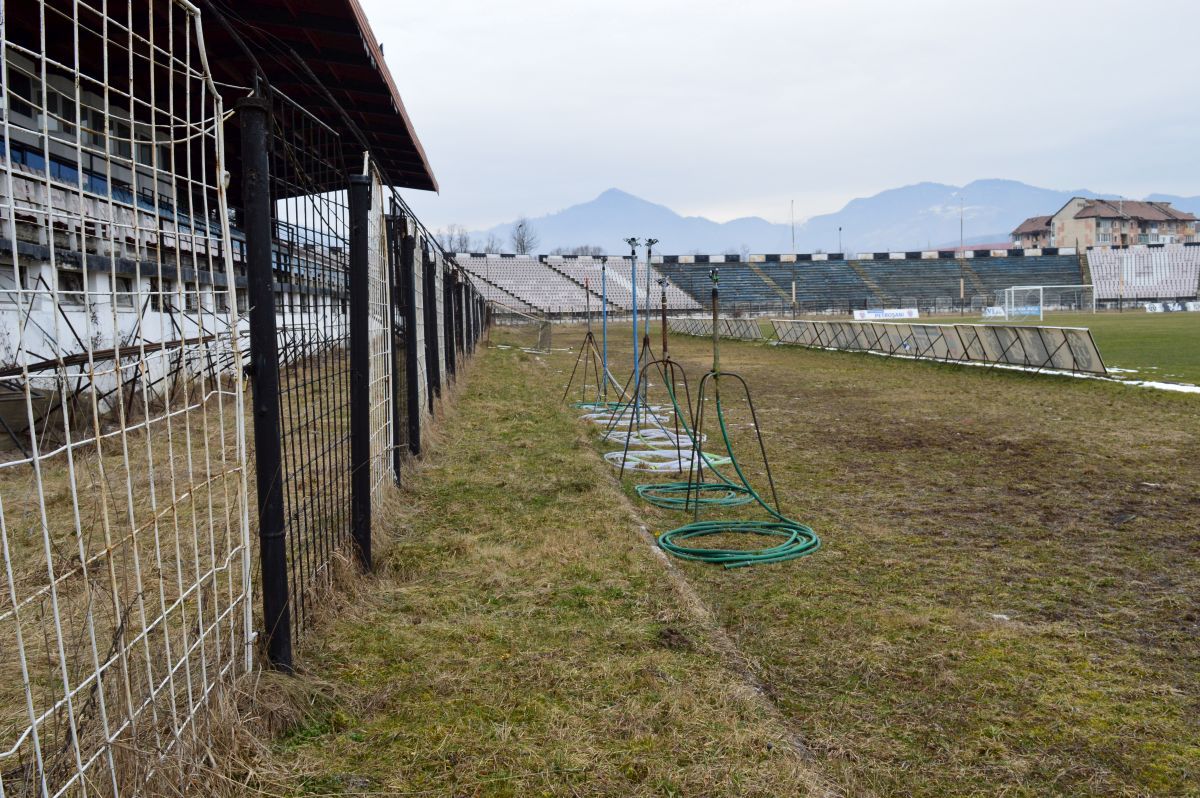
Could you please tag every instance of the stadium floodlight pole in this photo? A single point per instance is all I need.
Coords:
(793, 220)
(633, 244)
(962, 286)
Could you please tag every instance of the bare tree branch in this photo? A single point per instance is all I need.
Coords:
(523, 238)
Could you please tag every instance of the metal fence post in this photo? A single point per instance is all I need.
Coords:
(254, 114)
(460, 315)
(360, 369)
(429, 286)
(399, 331)
(448, 326)
(412, 370)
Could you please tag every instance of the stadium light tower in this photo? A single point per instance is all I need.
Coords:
(792, 219)
(633, 244)
(840, 240)
(962, 285)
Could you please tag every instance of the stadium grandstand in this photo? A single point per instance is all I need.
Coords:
(930, 281)
(567, 286)
(1150, 272)
(819, 283)
(832, 283)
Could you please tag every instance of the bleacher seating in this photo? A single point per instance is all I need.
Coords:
(820, 283)
(839, 284)
(531, 281)
(493, 293)
(997, 274)
(555, 284)
(1145, 272)
(580, 270)
(677, 299)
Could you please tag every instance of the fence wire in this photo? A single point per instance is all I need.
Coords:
(380, 342)
(311, 265)
(125, 513)
(123, 486)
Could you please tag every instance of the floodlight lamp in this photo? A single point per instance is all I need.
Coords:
(713, 273)
(633, 242)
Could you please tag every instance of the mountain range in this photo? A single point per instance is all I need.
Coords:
(919, 216)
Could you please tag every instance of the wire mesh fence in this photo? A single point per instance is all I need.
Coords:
(124, 516)
(311, 266)
(132, 297)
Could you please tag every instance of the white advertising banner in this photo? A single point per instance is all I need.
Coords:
(886, 314)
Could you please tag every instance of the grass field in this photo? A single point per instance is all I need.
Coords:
(1005, 602)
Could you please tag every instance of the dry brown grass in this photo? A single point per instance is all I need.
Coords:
(135, 520)
(1006, 598)
(519, 638)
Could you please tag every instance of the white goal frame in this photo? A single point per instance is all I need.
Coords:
(1011, 307)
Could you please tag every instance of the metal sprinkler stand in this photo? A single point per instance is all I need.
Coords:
(797, 539)
(595, 362)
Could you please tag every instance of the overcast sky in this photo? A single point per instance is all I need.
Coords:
(727, 109)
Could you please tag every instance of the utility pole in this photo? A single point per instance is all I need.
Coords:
(792, 215)
(962, 288)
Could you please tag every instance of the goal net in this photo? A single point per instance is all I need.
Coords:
(1025, 302)
(517, 329)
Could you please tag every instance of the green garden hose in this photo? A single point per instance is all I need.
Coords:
(687, 495)
(798, 539)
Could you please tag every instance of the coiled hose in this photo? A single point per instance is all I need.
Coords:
(798, 539)
(688, 495)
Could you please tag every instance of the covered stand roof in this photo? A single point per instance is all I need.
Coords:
(294, 41)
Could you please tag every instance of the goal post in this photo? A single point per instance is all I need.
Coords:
(519, 329)
(1020, 302)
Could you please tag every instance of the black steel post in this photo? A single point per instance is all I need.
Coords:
(468, 319)
(432, 368)
(400, 331)
(254, 115)
(448, 325)
(412, 372)
(360, 369)
(460, 314)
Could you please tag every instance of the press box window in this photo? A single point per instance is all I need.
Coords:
(70, 287)
(124, 291)
(160, 296)
(20, 93)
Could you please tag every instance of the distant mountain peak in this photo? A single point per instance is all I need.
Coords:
(914, 216)
(616, 193)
